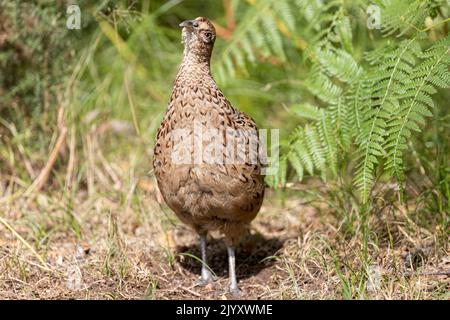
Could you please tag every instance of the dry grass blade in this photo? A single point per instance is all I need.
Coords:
(130, 101)
(21, 239)
(43, 176)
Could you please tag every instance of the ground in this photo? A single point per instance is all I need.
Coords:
(128, 246)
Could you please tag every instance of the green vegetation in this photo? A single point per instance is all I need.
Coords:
(363, 120)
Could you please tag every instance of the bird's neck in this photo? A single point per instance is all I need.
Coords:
(194, 67)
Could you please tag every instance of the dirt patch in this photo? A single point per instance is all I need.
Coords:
(105, 248)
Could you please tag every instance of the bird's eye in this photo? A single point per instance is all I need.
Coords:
(206, 36)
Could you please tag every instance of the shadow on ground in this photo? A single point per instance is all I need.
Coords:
(253, 254)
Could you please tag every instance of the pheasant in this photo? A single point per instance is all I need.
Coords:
(223, 192)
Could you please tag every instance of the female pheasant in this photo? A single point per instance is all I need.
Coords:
(220, 190)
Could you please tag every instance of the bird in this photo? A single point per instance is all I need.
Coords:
(225, 190)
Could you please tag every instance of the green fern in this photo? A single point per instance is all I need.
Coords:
(355, 108)
(322, 87)
(339, 63)
(328, 140)
(258, 35)
(388, 80)
(410, 116)
(399, 16)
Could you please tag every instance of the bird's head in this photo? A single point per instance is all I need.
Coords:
(198, 37)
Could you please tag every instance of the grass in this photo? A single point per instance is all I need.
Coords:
(80, 216)
(110, 238)
(120, 243)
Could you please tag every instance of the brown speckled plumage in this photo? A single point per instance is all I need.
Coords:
(224, 197)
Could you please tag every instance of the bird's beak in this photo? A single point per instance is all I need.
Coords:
(188, 24)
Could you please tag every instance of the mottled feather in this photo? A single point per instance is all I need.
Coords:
(219, 196)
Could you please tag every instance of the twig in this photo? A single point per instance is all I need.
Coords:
(443, 273)
(43, 176)
(428, 274)
(190, 291)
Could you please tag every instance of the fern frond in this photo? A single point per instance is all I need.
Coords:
(387, 86)
(356, 99)
(340, 118)
(295, 161)
(259, 34)
(301, 149)
(278, 178)
(399, 16)
(328, 139)
(411, 116)
(339, 63)
(306, 111)
(322, 87)
(344, 30)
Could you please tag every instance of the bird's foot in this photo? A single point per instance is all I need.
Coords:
(204, 282)
(235, 292)
(206, 278)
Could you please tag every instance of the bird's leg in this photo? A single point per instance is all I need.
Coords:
(207, 276)
(232, 271)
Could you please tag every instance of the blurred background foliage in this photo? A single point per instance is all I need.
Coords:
(96, 96)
